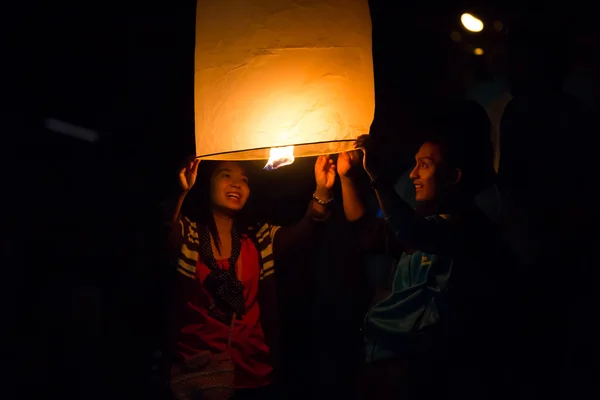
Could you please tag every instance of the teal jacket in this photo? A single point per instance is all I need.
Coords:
(406, 320)
(440, 280)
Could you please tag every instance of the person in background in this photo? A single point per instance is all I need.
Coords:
(442, 288)
(495, 111)
(225, 267)
(547, 182)
(542, 126)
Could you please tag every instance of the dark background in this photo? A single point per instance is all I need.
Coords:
(80, 232)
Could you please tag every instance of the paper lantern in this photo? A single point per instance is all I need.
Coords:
(278, 73)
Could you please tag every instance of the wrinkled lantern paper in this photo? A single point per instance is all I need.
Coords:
(282, 73)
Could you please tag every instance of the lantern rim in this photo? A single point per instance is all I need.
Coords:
(342, 145)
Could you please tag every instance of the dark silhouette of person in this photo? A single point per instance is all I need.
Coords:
(546, 177)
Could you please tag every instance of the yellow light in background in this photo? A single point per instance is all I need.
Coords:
(478, 51)
(471, 23)
(275, 74)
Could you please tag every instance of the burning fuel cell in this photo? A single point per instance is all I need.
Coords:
(277, 80)
(280, 157)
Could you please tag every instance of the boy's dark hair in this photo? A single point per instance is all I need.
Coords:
(463, 134)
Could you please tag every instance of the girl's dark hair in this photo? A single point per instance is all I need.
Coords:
(198, 204)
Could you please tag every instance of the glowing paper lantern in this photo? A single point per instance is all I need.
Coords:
(281, 73)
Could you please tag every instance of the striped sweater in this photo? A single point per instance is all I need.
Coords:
(190, 248)
(272, 242)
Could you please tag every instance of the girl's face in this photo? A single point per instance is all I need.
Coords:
(229, 187)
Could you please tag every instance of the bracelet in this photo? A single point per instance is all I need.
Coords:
(322, 202)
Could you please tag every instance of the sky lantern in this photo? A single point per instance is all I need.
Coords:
(281, 78)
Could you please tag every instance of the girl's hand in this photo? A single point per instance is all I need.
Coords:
(324, 173)
(187, 175)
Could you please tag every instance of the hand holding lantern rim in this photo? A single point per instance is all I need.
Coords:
(347, 161)
(366, 144)
(324, 176)
(188, 174)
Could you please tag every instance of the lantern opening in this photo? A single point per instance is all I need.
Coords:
(280, 157)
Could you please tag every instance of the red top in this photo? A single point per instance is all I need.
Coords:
(202, 332)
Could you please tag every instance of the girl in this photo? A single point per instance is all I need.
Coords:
(225, 284)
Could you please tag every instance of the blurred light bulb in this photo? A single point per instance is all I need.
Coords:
(478, 51)
(71, 130)
(456, 36)
(471, 23)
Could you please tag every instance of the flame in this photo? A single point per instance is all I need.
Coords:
(280, 157)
